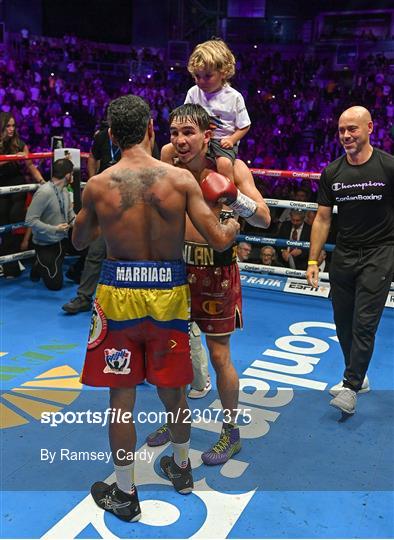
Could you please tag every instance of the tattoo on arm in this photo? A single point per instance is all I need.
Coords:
(134, 186)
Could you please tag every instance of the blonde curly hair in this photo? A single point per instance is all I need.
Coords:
(212, 54)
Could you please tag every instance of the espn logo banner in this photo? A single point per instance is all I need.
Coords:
(300, 286)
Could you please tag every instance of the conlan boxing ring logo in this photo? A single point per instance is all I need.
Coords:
(49, 391)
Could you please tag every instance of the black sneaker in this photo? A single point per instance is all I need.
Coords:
(76, 305)
(181, 479)
(111, 498)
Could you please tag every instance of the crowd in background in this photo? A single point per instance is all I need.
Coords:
(293, 103)
(53, 87)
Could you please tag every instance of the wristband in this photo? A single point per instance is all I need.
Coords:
(244, 205)
(312, 262)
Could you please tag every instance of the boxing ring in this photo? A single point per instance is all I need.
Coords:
(301, 473)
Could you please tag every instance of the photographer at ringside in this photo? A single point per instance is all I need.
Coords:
(50, 216)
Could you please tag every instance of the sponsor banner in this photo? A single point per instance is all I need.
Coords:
(390, 300)
(256, 239)
(263, 282)
(302, 205)
(300, 286)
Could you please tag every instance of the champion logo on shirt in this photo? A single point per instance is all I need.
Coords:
(363, 185)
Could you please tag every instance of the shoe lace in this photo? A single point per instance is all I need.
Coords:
(222, 444)
(111, 501)
(108, 502)
(162, 429)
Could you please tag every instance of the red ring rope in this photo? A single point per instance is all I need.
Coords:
(33, 155)
(261, 172)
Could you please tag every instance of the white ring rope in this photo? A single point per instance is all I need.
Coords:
(295, 205)
(257, 268)
(6, 190)
(278, 270)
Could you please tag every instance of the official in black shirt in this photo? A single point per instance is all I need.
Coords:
(361, 184)
(104, 153)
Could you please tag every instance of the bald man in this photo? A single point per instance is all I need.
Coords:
(361, 184)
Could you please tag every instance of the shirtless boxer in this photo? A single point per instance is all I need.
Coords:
(140, 322)
(214, 277)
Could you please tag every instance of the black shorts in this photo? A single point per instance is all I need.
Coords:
(215, 151)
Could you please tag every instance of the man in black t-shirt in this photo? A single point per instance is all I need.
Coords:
(103, 153)
(361, 184)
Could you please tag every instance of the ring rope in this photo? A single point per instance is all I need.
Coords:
(12, 227)
(17, 256)
(263, 269)
(33, 155)
(296, 205)
(259, 172)
(6, 190)
(280, 242)
(286, 174)
(258, 268)
(276, 203)
(245, 267)
(278, 270)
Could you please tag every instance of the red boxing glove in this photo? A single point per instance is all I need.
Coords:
(216, 188)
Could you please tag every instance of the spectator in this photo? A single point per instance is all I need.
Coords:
(244, 250)
(298, 231)
(290, 94)
(268, 256)
(12, 206)
(301, 195)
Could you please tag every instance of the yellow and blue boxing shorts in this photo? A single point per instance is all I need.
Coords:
(140, 326)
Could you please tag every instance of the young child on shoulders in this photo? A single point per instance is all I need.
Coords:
(212, 65)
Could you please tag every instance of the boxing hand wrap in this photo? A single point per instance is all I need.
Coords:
(217, 188)
(244, 206)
